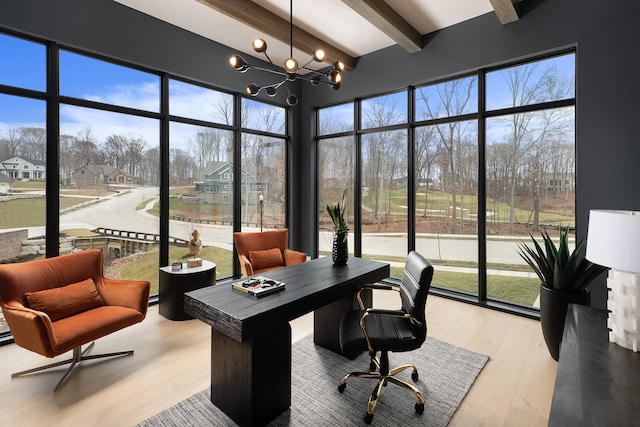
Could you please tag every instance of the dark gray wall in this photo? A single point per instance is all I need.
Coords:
(604, 34)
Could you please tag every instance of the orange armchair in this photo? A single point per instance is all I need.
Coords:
(264, 251)
(58, 304)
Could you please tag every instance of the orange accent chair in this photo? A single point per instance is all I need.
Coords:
(263, 251)
(58, 304)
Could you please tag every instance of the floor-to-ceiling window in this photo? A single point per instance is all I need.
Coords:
(201, 148)
(446, 170)
(384, 180)
(263, 166)
(530, 167)
(492, 161)
(335, 170)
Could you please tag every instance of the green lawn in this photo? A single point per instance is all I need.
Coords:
(29, 212)
(512, 289)
(440, 203)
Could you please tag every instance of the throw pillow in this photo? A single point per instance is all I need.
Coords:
(266, 259)
(67, 300)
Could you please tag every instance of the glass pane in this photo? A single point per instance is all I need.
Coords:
(265, 117)
(335, 174)
(335, 119)
(200, 103)
(95, 80)
(447, 202)
(263, 174)
(28, 63)
(201, 193)
(448, 99)
(109, 184)
(22, 181)
(530, 188)
(384, 196)
(384, 110)
(551, 79)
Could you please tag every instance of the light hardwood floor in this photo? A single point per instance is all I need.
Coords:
(171, 362)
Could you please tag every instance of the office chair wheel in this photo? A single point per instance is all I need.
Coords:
(341, 387)
(414, 376)
(368, 418)
(419, 408)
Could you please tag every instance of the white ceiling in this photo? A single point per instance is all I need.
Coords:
(330, 20)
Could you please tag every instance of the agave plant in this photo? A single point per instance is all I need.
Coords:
(337, 212)
(557, 268)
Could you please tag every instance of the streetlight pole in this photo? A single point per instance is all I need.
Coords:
(261, 199)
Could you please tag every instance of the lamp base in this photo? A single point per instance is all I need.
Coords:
(624, 312)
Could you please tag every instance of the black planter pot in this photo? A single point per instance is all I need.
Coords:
(553, 310)
(340, 251)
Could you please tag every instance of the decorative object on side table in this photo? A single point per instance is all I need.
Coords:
(195, 247)
(614, 241)
(564, 278)
(340, 248)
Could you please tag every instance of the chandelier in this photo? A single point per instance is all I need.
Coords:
(332, 76)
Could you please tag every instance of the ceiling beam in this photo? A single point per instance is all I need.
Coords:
(506, 10)
(387, 20)
(269, 23)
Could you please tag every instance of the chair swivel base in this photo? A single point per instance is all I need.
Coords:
(78, 356)
(383, 377)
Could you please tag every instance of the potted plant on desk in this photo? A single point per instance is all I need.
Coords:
(564, 278)
(337, 212)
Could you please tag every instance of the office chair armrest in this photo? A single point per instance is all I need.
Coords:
(381, 286)
(386, 312)
(376, 286)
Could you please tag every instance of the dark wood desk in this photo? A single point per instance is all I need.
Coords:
(251, 337)
(598, 382)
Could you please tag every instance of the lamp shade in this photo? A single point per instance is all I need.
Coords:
(613, 239)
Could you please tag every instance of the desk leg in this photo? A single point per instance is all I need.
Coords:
(326, 320)
(251, 381)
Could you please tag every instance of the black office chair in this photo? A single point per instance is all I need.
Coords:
(373, 330)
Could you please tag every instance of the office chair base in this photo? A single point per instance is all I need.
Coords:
(78, 356)
(383, 379)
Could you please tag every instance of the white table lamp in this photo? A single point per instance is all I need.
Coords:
(613, 241)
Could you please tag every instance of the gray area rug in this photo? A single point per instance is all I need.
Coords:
(446, 374)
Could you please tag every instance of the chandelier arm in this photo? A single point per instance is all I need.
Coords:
(310, 79)
(269, 59)
(277, 85)
(269, 70)
(305, 65)
(316, 72)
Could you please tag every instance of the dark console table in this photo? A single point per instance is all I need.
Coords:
(173, 285)
(598, 383)
(251, 337)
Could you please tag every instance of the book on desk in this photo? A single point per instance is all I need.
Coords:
(258, 286)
